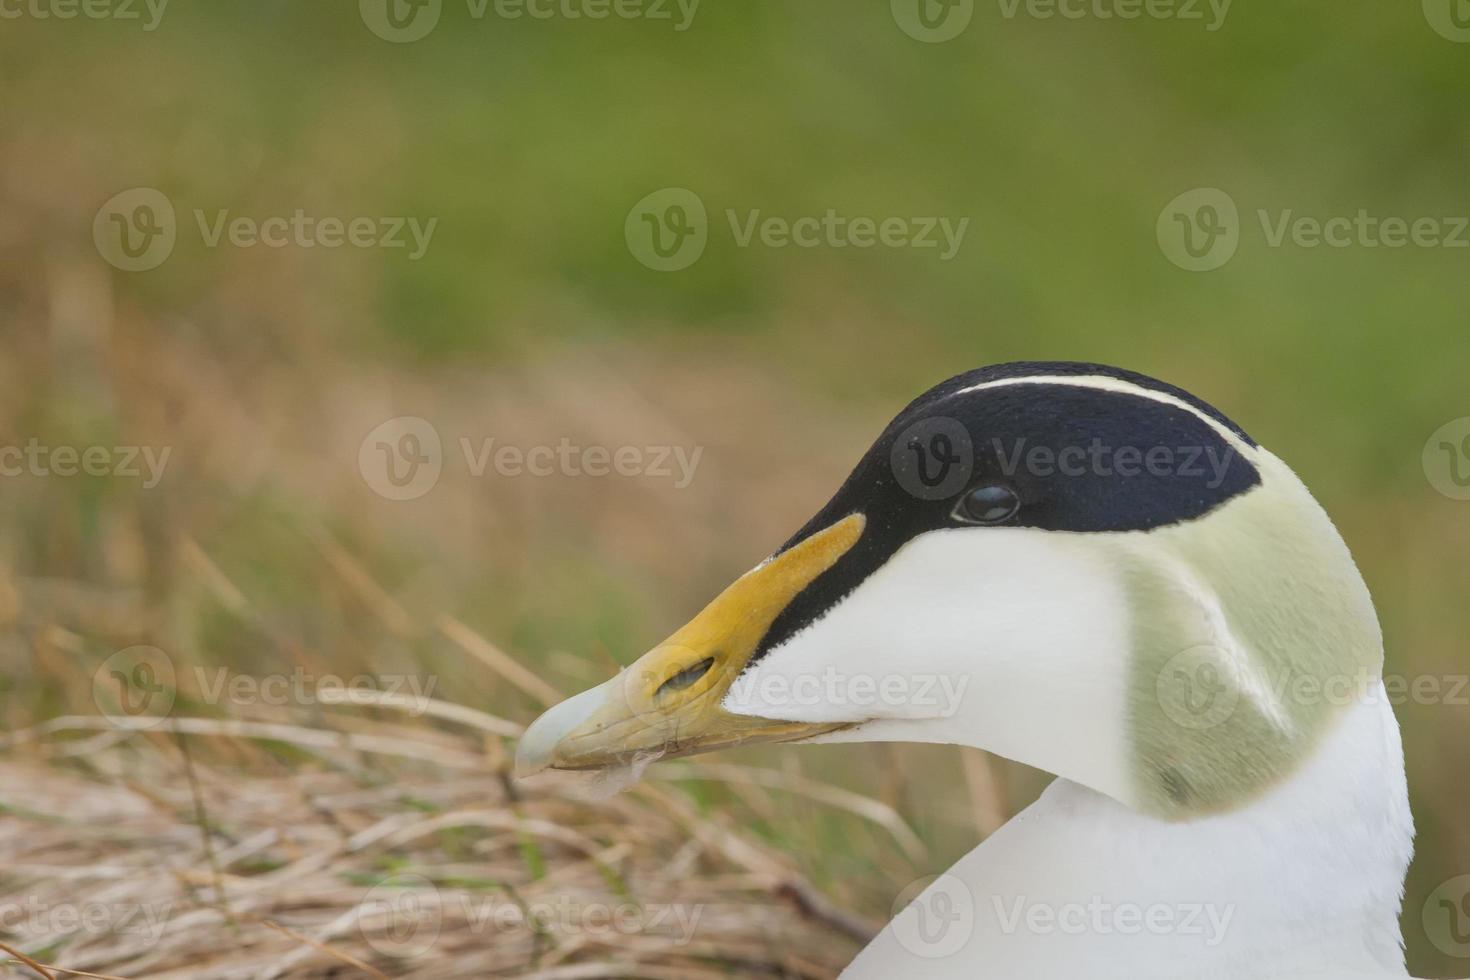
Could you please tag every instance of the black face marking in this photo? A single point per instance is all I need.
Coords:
(1078, 458)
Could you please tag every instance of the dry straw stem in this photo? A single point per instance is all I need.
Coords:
(404, 861)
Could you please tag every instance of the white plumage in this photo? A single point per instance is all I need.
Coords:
(1231, 802)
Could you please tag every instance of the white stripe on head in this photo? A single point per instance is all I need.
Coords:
(1102, 382)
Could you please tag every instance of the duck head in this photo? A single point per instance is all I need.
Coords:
(1077, 567)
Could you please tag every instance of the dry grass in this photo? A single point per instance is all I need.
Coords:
(126, 853)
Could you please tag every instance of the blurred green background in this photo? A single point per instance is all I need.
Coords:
(529, 319)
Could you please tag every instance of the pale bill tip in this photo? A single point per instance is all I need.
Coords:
(537, 748)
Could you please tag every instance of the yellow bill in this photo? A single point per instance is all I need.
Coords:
(669, 702)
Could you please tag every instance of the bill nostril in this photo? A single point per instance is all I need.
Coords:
(687, 676)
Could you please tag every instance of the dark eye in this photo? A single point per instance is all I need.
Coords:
(989, 504)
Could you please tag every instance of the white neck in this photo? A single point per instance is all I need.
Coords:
(1306, 879)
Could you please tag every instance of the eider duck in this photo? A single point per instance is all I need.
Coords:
(1097, 574)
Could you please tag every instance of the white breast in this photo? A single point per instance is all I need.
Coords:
(1305, 880)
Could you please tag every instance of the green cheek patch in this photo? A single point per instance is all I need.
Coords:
(1251, 632)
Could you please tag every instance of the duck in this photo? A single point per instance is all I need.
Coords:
(1097, 574)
